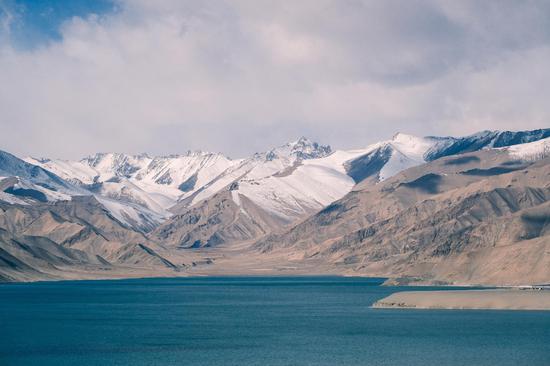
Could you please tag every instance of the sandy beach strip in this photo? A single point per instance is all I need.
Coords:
(499, 299)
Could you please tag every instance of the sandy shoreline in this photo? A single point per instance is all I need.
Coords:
(499, 299)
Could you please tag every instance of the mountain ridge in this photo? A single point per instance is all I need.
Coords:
(300, 205)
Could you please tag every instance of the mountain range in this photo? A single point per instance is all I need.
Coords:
(454, 210)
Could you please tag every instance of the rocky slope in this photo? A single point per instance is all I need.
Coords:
(69, 239)
(226, 218)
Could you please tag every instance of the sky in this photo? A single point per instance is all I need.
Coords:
(238, 77)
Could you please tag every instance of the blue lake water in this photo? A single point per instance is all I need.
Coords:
(253, 321)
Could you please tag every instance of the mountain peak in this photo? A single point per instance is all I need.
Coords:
(119, 164)
(114, 156)
(304, 148)
(396, 136)
(303, 140)
(403, 137)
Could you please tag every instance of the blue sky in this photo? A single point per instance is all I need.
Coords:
(36, 22)
(239, 76)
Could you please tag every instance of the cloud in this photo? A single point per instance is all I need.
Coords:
(242, 76)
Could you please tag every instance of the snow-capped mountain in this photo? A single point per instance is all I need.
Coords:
(134, 210)
(260, 194)
(387, 158)
(22, 182)
(288, 182)
(154, 183)
(484, 140)
(138, 189)
(531, 151)
(27, 181)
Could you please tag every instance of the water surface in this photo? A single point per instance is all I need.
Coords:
(253, 321)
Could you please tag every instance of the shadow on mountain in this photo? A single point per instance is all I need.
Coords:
(462, 160)
(498, 170)
(428, 183)
(30, 193)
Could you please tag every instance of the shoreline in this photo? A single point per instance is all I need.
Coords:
(490, 299)
(193, 276)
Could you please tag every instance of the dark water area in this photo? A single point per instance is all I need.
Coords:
(253, 321)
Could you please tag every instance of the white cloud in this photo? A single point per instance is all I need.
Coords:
(241, 76)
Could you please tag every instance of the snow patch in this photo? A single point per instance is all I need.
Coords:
(235, 197)
(531, 151)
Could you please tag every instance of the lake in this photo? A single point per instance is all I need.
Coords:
(253, 321)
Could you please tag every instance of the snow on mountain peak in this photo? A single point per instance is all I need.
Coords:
(288, 180)
(302, 149)
(412, 146)
(307, 149)
(399, 136)
(190, 153)
(116, 164)
(531, 151)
